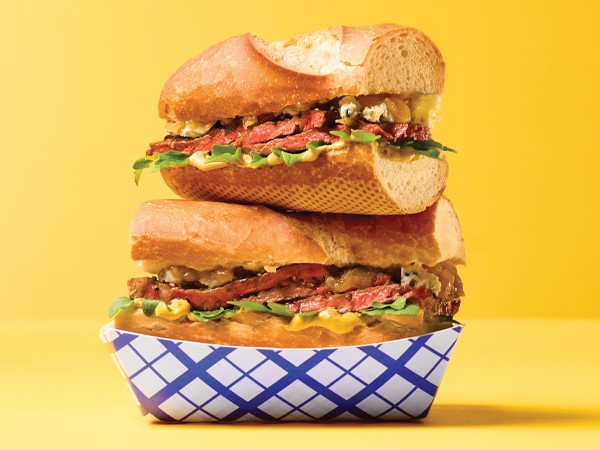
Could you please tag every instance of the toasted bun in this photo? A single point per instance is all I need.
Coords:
(207, 235)
(356, 179)
(265, 330)
(244, 76)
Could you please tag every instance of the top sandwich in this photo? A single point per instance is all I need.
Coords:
(338, 120)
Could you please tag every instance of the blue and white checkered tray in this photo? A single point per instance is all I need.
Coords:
(179, 381)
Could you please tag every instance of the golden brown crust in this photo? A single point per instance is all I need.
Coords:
(206, 235)
(264, 330)
(355, 179)
(244, 76)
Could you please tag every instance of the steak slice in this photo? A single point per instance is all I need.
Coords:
(210, 299)
(293, 143)
(357, 300)
(302, 288)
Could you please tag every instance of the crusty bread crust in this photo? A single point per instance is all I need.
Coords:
(244, 76)
(354, 179)
(265, 330)
(208, 235)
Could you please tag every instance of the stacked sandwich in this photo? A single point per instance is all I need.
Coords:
(312, 211)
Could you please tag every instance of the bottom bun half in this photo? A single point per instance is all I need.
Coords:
(264, 330)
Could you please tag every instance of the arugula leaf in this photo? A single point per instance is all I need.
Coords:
(410, 310)
(257, 160)
(426, 144)
(356, 136)
(223, 153)
(139, 165)
(149, 306)
(280, 310)
(270, 308)
(144, 162)
(308, 313)
(207, 316)
(288, 158)
(315, 144)
(118, 304)
(399, 303)
(363, 136)
(157, 162)
(425, 147)
(341, 134)
(252, 306)
(137, 174)
(398, 306)
(168, 159)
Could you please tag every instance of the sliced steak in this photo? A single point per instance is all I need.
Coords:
(291, 134)
(397, 132)
(302, 288)
(268, 131)
(356, 300)
(209, 299)
(293, 143)
(315, 118)
(292, 291)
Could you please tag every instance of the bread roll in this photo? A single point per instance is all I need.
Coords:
(265, 330)
(356, 179)
(207, 235)
(244, 76)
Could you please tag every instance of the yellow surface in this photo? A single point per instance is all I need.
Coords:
(519, 384)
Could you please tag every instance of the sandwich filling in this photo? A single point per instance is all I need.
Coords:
(299, 133)
(306, 294)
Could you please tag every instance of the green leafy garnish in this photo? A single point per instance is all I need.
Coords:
(157, 162)
(271, 308)
(207, 316)
(139, 165)
(118, 304)
(171, 158)
(315, 144)
(341, 134)
(399, 306)
(288, 158)
(308, 313)
(257, 160)
(361, 136)
(280, 310)
(425, 147)
(223, 153)
(149, 306)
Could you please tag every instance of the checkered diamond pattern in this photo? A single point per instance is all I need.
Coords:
(176, 381)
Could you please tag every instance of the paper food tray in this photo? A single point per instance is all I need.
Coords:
(180, 381)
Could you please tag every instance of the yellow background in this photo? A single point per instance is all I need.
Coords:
(81, 81)
(79, 87)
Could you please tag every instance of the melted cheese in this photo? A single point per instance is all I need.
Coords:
(188, 128)
(329, 319)
(175, 310)
(198, 161)
(424, 109)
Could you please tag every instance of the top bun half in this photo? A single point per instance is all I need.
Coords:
(210, 235)
(245, 76)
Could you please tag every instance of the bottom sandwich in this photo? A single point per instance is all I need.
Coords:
(249, 276)
(257, 315)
